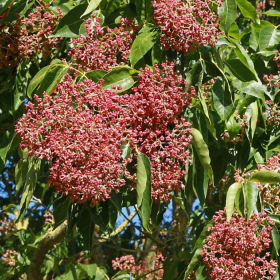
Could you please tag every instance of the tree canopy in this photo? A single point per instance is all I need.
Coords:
(139, 139)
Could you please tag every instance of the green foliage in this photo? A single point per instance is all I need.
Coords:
(233, 132)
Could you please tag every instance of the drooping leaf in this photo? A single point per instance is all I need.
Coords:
(244, 57)
(221, 100)
(272, 13)
(96, 75)
(144, 199)
(266, 177)
(29, 186)
(69, 26)
(228, 14)
(240, 70)
(86, 228)
(202, 152)
(200, 179)
(52, 77)
(196, 259)
(254, 118)
(37, 80)
(6, 144)
(119, 76)
(276, 239)
(251, 191)
(269, 36)
(142, 44)
(170, 269)
(20, 174)
(247, 10)
(60, 210)
(231, 194)
(93, 4)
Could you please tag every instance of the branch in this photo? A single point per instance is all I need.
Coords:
(120, 228)
(45, 245)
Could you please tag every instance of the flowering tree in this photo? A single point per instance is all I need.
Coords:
(139, 139)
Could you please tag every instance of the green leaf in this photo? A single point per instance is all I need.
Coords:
(20, 7)
(86, 228)
(275, 218)
(90, 269)
(142, 44)
(119, 76)
(170, 269)
(4, 4)
(221, 100)
(266, 177)
(276, 239)
(228, 14)
(29, 186)
(244, 57)
(126, 150)
(254, 118)
(203, 235)
(200, 179)
(269, 36)
(69, 26)
(247, 10)
(93, 4)
(60, 210)
(96, 75)
(37, 80)
(202, 152)
(240, 71)
(54, 75)
(6, 144)
(144, 199)
(231, 194)
(272, 13)
(251, 197)
(234, 31)
(196, 259)
(239, 201)
(20, 174)
(253, 88)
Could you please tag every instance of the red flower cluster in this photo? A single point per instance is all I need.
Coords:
(128, 263)
(274, 81)
(29, 36)
(102, 48)
(237, 249)
(80, 129)
(186, 25)
(10, 257)
(157, 129)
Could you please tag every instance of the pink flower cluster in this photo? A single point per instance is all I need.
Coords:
(157, 128)
(29, 36)
(7, 227)
(102, 48)
(80, 129)
(10, 257)
(273, 115)
(274, 81)
(186, 25)
(140, 268)
(236, 249)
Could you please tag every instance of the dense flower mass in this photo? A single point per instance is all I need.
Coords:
(157, 129)
(102, 48)
(29, 36)
(236, 249)
(78, 129)
(140, 268)
(186, 25)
